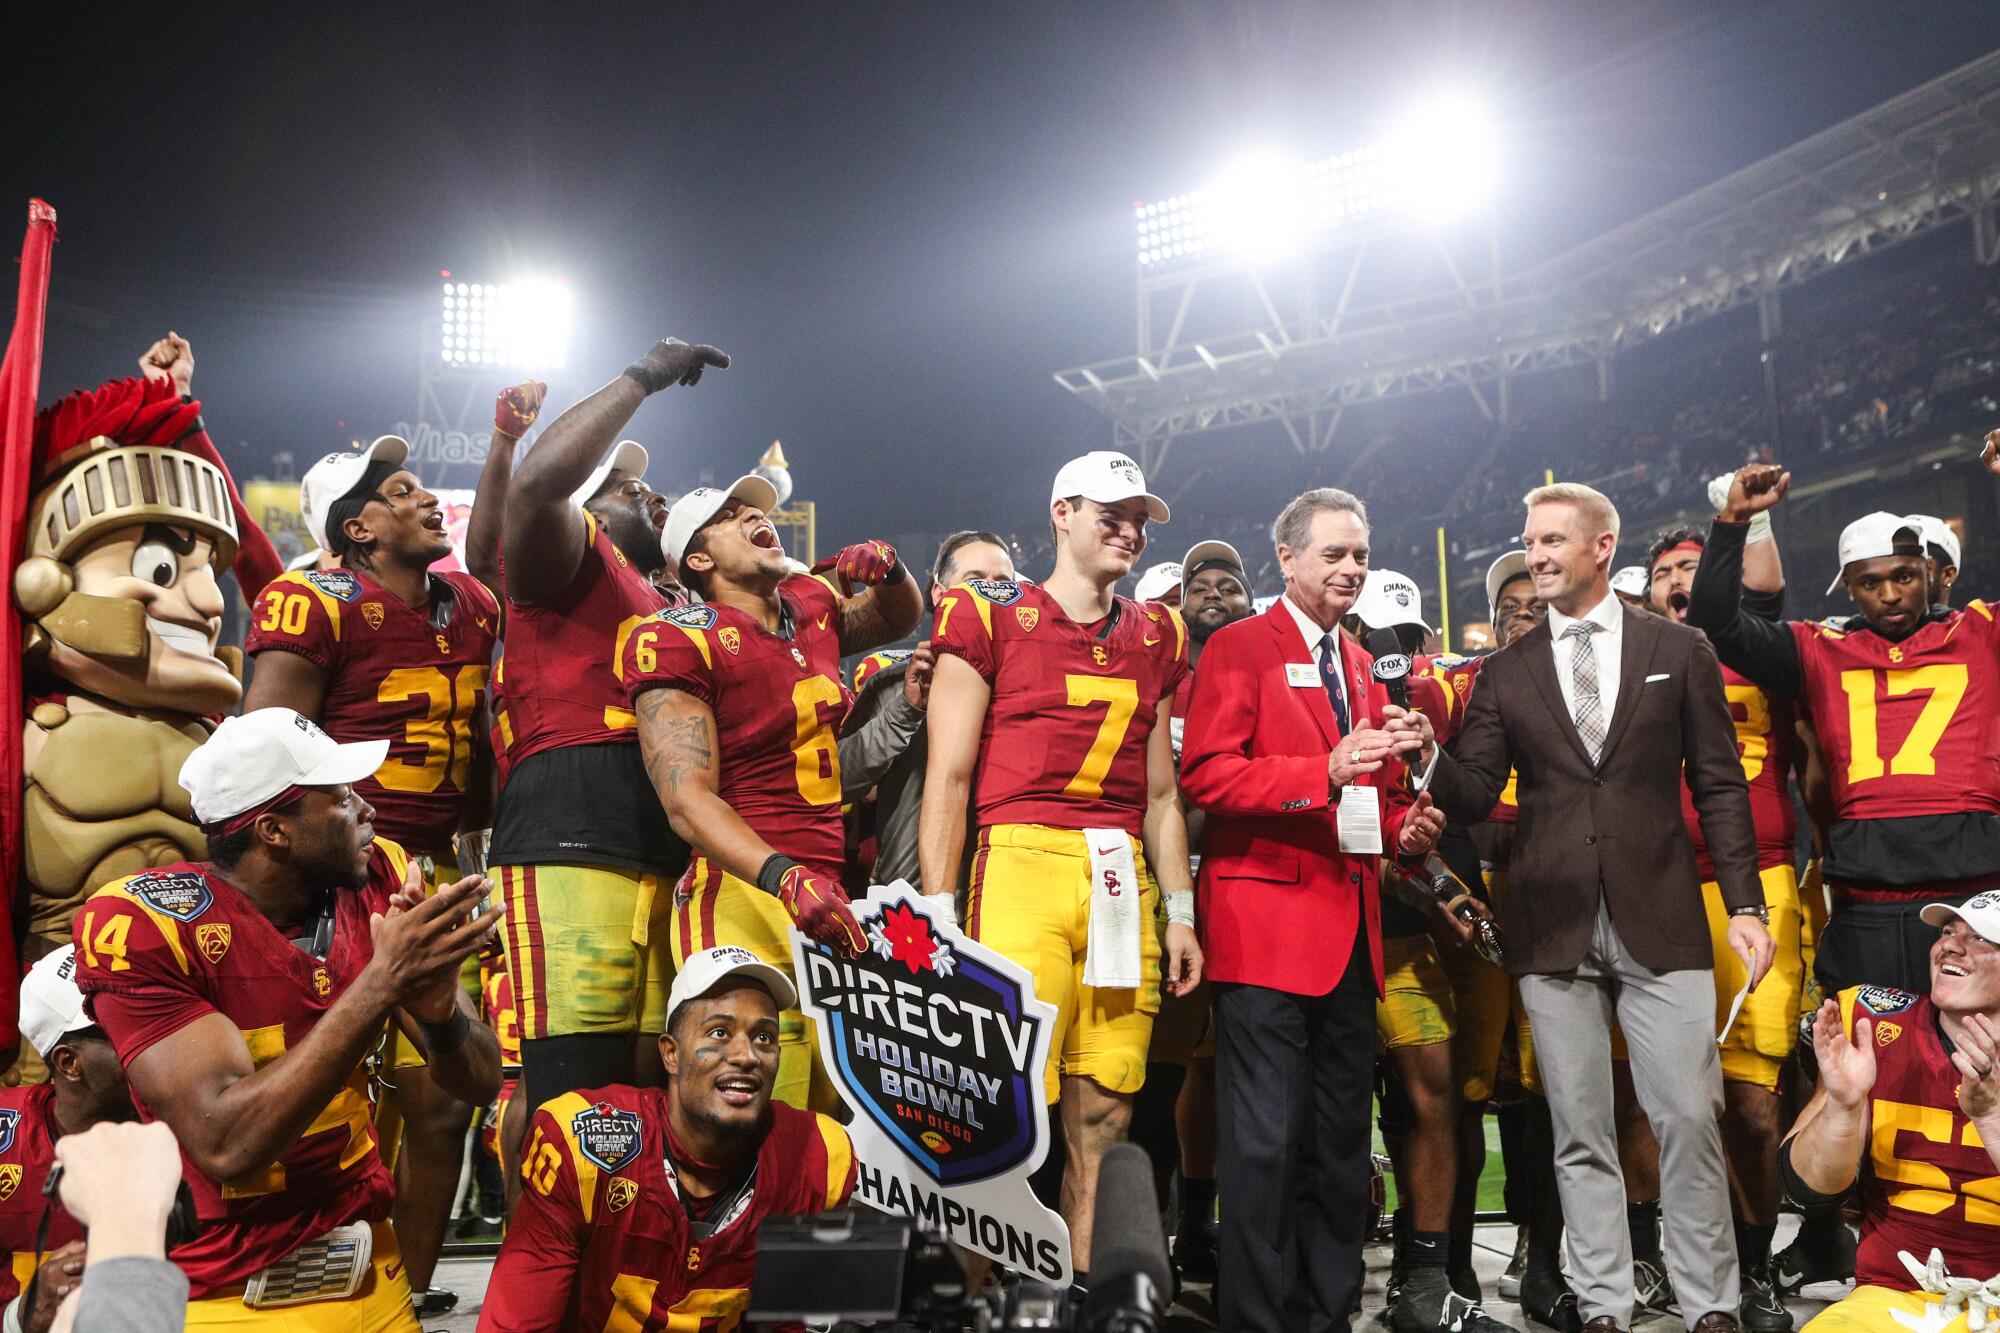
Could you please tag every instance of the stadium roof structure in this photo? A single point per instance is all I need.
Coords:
(1925, 159)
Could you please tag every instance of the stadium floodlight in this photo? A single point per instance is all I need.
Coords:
(1437, 165)
(522, 325)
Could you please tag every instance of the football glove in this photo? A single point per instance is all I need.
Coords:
(862, 565)
(819, 908)
(515, 409)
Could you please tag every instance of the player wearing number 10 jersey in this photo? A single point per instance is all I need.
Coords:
(1906, 700)
(739, 700)
(1051, 693)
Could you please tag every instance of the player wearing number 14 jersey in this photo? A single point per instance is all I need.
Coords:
(1057, 697)
(1906, 700)
(739, 700)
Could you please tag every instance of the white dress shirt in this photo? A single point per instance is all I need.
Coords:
(1607, 643)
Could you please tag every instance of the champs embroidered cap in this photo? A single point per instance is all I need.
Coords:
(1875, 535)
(706, 970)
(1388, 598)
(625, 456)
(258, 756)
(1631, 581)
(1157, 582)
(335, 475)
(51, 1005)
(1981, 911)
(1107, 477)
(1510, 566)
(691, 513)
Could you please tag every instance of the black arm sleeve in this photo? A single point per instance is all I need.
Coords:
(1809, 1200)
(1765, 605)
(1748, 643)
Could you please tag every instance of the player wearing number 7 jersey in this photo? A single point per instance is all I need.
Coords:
(1906, 700)
(739, 700)
(1051, 694)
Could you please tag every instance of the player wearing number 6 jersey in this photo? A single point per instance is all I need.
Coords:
(383, 649)
(739, 701)
(1906, 700)
(1051, 694)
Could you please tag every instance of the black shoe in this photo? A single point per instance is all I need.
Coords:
(1427, 1304)
(1466, 1283)
(1550, 1302)
(433, 1301)
(1652, 1289)
(1194, 1254)
(1823, 1251)
(474, 1227)
(1763, 1309)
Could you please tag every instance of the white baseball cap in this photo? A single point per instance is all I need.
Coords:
(1202, 553)
(1387, 599)
(1631, 580)
(252, 758)
(1937, 532)
(1981, 911)
(335, 475)
(1107, 477)
(1157, 581)
(702, 972)
(624, 456)
(691, 513)
(51, 1005)
(1874, 535)
(1510, 566)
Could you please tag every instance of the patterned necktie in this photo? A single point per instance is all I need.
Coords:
(1583, 687)
(1329, 676)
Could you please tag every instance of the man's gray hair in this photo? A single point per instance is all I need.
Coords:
(1294, 525)
(1594, 507)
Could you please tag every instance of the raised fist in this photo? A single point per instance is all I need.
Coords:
(674, 362)
(862, 565)
(821, 909)
(171, 358)
(1753, 490)
(515, 409)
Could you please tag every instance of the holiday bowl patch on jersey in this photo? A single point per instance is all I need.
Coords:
(1000, 592)
(335, 583)
(699, 616)
(10, 1124)
(182, 895)
(1885, 999)
(606, 1135)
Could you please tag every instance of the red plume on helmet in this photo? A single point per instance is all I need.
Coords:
(128, 411)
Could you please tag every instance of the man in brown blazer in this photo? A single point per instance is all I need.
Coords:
(1598, 710)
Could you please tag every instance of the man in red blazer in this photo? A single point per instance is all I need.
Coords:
(1282, 751)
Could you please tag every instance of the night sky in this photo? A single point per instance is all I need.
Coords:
(899, 218)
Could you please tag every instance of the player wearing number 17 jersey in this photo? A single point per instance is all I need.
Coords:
(739, 701)
(1906, 700)
(1057, 695)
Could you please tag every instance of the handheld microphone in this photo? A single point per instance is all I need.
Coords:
(1392, 665)
(1131, 1279)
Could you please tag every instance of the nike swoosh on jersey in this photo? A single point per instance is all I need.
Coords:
(821, 622)
(1150, 643)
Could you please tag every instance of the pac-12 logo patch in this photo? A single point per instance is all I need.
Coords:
(212, 937)
(698, 616)
(10, 1179)
(335, 583)
(372, 613)
(182, 896)
(731, 639)
(1885, 999)
(1000, 592)
(606, 1135)
(1029, 618)
(10, 1123)
(620, 1192)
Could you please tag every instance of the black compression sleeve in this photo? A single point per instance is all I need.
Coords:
(1808, 1199)
(1764, 652)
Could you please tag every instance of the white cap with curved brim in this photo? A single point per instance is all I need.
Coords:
(704, 971)
(1107, 477)
(624, 456)
(692, 511)
(51, 1005)
(1157, 581)
(335, 475)
(1510, 566)
(1938, 533)
(1981, 911)
(255, 757)
(1630, 581)
(1875, 535)
(1389, 599)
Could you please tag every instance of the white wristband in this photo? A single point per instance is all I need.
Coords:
(12, 1322)
(1180, 908)
(1760, 527)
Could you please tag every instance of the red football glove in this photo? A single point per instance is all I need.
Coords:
(821, 909)
(516, 409)
(866, 564)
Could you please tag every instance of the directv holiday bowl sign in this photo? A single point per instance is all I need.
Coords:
(938, 1044)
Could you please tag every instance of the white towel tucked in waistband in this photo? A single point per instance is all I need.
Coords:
(1112, 957)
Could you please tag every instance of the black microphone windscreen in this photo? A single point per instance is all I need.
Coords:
(1125, 1229)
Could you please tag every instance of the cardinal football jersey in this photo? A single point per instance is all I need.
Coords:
(163, 949)
(415, 679)
(601, 1238)
(778, 702)
(558, 684)
(27, 1151)
(1930, 1182)
(1912, 727)
(1064, 743)
(1764, 743)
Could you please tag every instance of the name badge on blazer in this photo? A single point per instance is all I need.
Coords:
(1301, 674)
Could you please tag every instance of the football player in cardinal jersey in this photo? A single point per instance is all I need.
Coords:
(243, 994)
(584, 858)
(384, 649)
(641, 1206)
(1052, 693)
(1905, 697)
(739, 700)
(1910, 1087)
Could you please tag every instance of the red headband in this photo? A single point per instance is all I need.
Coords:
(1677, 548)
